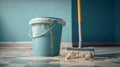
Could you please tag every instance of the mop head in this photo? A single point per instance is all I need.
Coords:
(77, 54)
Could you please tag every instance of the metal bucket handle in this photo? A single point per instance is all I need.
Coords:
(42, 34)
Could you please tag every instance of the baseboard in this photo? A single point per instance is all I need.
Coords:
(98, 44)
(63, 44)
(15, 44)
(28, 44)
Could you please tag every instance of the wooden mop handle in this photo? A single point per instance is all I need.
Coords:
(79, 24)
(79, 11)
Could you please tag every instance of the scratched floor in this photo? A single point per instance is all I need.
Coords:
(21, 57)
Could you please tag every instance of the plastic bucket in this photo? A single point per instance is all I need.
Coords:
(46, 37)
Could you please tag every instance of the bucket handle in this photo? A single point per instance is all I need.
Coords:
(30, 35)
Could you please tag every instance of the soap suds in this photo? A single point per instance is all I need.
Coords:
(34, 30)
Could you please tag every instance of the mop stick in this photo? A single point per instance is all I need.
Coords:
(79, 24)
(80, 35)
(79, 52)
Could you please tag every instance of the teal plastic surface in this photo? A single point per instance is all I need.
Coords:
(47, 40)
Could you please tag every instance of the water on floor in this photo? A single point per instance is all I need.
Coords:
(19, 57)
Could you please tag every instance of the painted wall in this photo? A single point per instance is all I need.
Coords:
(98, 19)
(75, 34)
(117, 16)
(15, 15)
(98, 23)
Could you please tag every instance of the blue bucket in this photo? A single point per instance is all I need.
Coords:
(46, 36)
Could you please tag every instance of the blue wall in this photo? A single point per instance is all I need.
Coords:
(75, 34)
(15, 15)
(98, 23)
(117, 16)
(100, 19)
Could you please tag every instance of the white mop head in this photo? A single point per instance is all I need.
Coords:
(77, 54)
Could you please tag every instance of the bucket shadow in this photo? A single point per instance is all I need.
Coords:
(42, 63)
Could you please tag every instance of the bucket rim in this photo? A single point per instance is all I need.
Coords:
(45, 20)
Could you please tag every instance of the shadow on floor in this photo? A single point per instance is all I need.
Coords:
(109, 55)
(113, 57)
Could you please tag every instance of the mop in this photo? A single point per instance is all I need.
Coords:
(79, 52)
